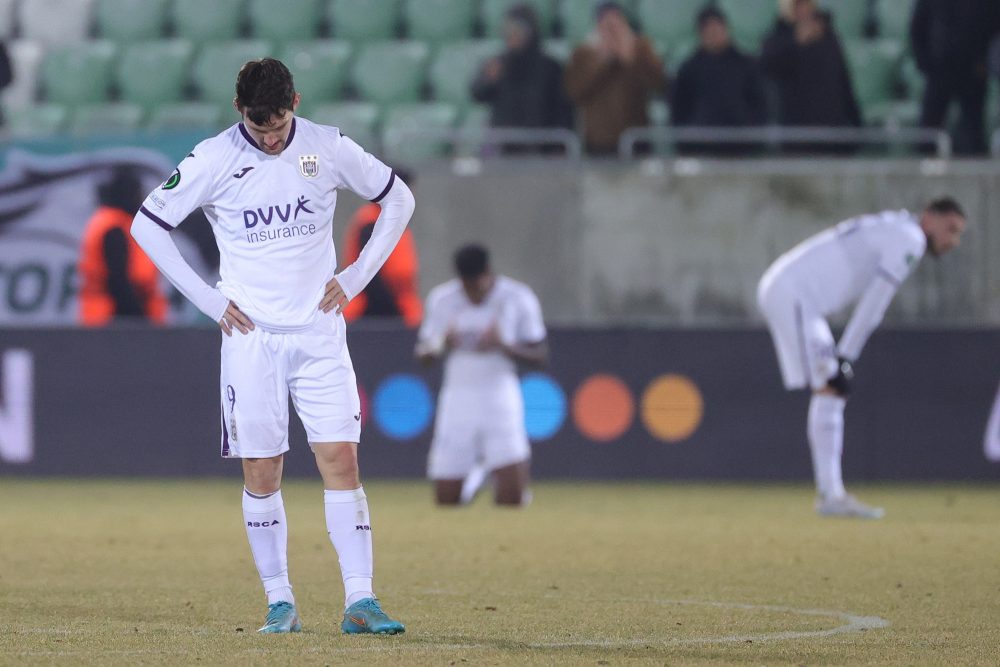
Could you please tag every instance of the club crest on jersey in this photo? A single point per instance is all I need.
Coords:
(309, 165)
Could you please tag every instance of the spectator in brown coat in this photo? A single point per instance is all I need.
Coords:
(611, 78)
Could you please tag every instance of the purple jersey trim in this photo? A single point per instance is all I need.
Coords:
(250, 140)
(888, 277)
(162, 223)
(291, 134)
(392, 179)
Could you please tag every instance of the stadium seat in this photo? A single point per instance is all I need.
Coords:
(874, 67)
(26, 59)
(658, 112)
(186, 116)
(41, 120)
(669, 21)
(6, 19)
(216, 67)
(455, 67)
(894, 18)
(319, 67)
(680, 52)
(559, 49)
(402, 130)
(849, 16)
(750, 20)
(55, 22)
(439, 20)
(100, 119)
(78, 74)
(390, 72)
(286, 20)
(208, 21)
(358, 120)
(493, 11)
(364, 20)
(130, 20)
(154, 72)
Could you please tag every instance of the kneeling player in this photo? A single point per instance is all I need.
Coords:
(484, 324)
(862, 260)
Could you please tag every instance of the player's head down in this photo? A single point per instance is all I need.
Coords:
(943, 221)
(266, 98)
(472, 263)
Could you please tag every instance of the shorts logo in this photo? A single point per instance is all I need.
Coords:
(173, 181)
(262, 524)
(362, 527)
(231, 395)
(309, 165)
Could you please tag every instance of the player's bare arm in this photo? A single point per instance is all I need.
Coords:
(234, 318)
(530, 354)
(333, 297)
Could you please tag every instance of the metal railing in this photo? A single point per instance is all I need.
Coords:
(478, 142)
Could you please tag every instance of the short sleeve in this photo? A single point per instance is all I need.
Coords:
(187, 188)
(362, 172)
(902, 256)
(531, 324)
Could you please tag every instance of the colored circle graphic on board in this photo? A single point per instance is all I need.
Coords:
(603, 408)
(672, 408)
(544, 406)
(402, 406)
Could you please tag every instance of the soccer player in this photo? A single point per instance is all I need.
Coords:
(484, 324)
(860, 261)
(268, 185)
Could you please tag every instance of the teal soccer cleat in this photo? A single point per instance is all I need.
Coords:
(281, 618)
(366, 617)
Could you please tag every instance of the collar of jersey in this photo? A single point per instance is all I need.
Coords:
(246, 135)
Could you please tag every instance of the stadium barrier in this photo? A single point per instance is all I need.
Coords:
(613, 404)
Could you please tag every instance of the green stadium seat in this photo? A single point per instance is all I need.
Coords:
(390, 72)
(493, 11)
(894, 18)
(357, 120)
(559, 49)
(100, 119)
(41, 120)
(186, 116)
(130, 20)
(475, 121)
(455, 67)
(208, 21)
(79, 74)
(659, 113)
(750, 20)
(402, 136)
(319, 67)
(216, 67)
(439, 20)
(669, 21)
(365, 20)
(680, 52)
(849, 16)
(476, 117)
(154, 72)
(875, 70)
(285, 20)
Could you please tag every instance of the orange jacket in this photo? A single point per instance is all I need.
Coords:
(97, 307)
(399, 273)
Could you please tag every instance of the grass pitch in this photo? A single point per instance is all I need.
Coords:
(158, 572)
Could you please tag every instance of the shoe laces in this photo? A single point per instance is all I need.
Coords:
(276, 610)
(371, 605)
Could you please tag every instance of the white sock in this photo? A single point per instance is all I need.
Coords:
(350, 531)
(826, 441)
(267, 532)
(473, 482)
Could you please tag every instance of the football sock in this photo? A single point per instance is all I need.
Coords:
(349, 528)
(267, 532)
(826, 441)
(473, 482)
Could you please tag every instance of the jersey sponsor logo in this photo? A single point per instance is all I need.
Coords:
(156, 201)
(242, 172)
(173, 181)
(262, 524)
(309, 165)
(284, 213)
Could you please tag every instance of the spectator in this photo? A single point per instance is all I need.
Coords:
(802, 55)
(719, 85)
(950, 40)
(6, 72)
(523, 86)
(117, 280)
(392, 293)
(611, 78)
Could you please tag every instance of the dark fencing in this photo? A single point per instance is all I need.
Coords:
(614, 403)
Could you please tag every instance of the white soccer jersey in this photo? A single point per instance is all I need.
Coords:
(863, 260)
(272, 215)
(510, 306)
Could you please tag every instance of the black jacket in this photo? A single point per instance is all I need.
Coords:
(718, 90)
(953, 36)
(529, 92)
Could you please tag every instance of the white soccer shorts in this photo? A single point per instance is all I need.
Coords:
(260, 370)
(484, 427)
(802, 338)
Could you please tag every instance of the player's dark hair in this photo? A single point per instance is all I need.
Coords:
(944, 206)
(264, 88)
(710, 13)
(471, 261)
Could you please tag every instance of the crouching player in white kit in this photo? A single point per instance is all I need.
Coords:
(862, 260)
(268, 185)
(484, 324)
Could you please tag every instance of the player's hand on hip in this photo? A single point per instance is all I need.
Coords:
(333, 298)
(234, 318)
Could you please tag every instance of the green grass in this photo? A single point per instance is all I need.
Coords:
(158, 572)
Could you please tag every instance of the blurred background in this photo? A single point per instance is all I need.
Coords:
(642, 203)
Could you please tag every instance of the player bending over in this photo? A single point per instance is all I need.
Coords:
(268, 185)
(863, 260)
(484, 324)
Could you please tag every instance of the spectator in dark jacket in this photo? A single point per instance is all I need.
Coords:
(718, 85)
(802, 55)
(950, 41)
